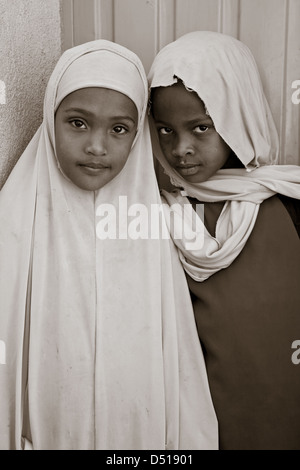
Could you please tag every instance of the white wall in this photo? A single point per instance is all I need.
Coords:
(30, 44)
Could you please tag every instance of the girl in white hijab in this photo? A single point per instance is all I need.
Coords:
(214, 136)
(101, 347)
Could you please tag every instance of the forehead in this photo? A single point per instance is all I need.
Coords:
(176, 99)
(96, 100)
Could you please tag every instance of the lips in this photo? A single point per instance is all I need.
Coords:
(188, 169)
(93, 169)
(187, 165)
(93, 165)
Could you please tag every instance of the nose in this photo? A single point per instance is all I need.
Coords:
(96, 144)
(182, 147)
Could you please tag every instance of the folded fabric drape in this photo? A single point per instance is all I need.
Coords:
(223, 72)
(101, 344)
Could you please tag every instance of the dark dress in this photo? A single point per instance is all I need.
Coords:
(248, 316)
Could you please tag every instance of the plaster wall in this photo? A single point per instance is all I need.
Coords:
(30, 45)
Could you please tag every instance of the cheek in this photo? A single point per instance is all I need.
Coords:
(61, 146)
(62, 153)
(121, 152)
(67, 148)
(165, 146)
(226, 152)
(59, 149)
(221, 151)
(216, 158)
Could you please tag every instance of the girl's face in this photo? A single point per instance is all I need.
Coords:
(94, 131)
(187, 135)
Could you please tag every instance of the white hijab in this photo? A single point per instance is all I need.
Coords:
(101, 345)
(223, 72)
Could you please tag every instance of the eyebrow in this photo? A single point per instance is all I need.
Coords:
(191, 122)
(203, 119)
(197, 119)
(90, 113)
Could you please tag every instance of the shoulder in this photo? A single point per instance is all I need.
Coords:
(293, 208)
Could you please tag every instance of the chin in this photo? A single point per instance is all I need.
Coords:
(196, 179)
(87, 186)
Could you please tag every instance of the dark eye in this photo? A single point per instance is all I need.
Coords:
(119, 130)
(165, 130)
(78, 124)
(200, 129)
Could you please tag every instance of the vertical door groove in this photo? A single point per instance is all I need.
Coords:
(282, 133)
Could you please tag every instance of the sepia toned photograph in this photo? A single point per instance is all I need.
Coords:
(149, 227)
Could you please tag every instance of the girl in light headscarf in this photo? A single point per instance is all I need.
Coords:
(101, 347)
(214, 136)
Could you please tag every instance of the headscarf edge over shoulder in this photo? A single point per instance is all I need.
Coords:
(223, 73)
